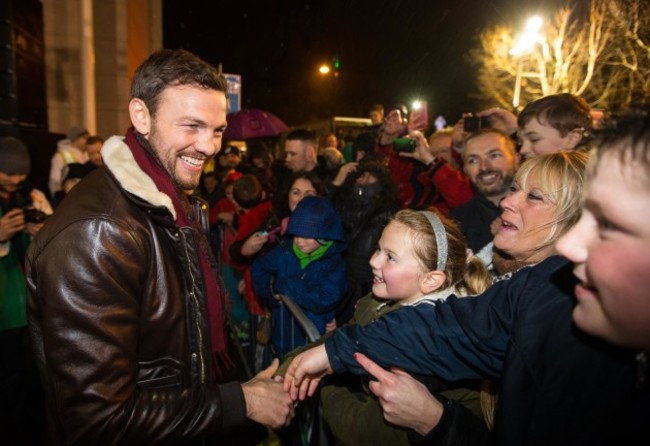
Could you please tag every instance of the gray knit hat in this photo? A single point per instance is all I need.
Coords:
(14, 156)
(76, 132)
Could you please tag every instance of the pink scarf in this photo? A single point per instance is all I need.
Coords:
(147, 161)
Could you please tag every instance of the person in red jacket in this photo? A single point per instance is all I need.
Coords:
(423, 180)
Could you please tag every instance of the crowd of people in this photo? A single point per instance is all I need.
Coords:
(468, 286)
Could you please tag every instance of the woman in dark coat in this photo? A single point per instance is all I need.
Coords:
(365, 201)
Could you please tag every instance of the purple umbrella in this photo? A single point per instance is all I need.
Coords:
(253, 123)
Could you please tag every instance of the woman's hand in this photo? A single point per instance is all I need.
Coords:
(344, 171)
(405, 401)
(254, 244)
(422, 151)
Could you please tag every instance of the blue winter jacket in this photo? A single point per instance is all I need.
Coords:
(557, 385)
(317, 290)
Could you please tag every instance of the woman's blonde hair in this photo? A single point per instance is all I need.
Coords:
(560, 177)
(469, 277)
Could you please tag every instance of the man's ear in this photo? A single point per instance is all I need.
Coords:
(312, 151)
(573, 138)
(432, 281)
(140, 116)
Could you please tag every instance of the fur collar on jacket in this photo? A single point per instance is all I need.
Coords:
(120, 161)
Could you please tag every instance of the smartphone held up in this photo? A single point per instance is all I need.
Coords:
(473, 124)
(406, 145)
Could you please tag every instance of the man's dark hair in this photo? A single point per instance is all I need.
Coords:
(564, 112)
(94, 139)
(510, 143)
(399, 107)
(306, 135)
(626, 132)
(167, 68)
(247, 191)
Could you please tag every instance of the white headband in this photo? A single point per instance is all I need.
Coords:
(441, 238)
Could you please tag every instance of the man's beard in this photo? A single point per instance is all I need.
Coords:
(170, 168)
(506, 182)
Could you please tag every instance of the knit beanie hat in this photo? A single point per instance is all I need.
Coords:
(14, 156)
(76, 132)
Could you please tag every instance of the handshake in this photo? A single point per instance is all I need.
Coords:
(266, 400)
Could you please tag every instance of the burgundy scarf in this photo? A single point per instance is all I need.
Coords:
(147, 161)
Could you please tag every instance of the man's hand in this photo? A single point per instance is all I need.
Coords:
(501, 119)
(266, 401)
(11, 223)
(305, 372)
(458, 134)
(405, 401)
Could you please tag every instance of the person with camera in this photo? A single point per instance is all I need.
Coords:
(22, 213)
(423, 180)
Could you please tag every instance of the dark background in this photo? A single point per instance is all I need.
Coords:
(389, 51)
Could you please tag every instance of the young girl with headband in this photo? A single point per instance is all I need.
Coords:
(421, 258)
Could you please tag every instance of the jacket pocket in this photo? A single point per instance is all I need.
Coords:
(160, 373)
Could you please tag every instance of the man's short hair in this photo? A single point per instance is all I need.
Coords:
(333, 157)
(510, 143)
(305, 135)
(564, 112)
(168, 68)
(401, 108)
(247, 191)
(94, 139)
(446, 131)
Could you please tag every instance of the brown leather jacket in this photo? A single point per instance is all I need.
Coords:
(117, 316)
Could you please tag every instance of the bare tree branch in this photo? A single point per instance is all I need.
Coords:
(601, 54)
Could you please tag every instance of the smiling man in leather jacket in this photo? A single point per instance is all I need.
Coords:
(125, 306)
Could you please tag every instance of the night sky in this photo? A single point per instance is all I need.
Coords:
(389, 51)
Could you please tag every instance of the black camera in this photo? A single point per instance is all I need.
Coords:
(404, 145)
(22, 199)
(473, 124)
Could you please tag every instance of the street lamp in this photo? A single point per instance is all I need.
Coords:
(524, 45)
(324, 69)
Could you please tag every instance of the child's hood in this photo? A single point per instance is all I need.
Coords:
(315, 217)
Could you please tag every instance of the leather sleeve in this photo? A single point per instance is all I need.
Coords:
(111, 338)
